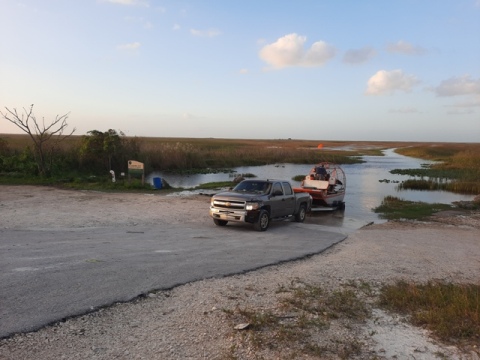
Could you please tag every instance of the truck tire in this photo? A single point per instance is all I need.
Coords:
(219, 222)
(302, 213)
(263, 221)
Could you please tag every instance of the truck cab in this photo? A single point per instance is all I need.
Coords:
(258, 202)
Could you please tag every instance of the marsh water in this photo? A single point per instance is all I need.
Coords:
(366, 186)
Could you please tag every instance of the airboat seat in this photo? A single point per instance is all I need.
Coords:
(315, 184)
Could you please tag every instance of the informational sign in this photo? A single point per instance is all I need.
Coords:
(136, 168)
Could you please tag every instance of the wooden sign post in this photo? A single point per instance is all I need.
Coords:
(136, 168)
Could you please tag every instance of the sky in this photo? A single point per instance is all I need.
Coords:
(370, 70)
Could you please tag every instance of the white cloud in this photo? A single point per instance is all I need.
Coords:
(358, 56)
(243, 71)
(387, 82)
(205, 33)
(128, 2)
(463, 85)
(176, 27)
(406, 48)
(129, 47)
(289, 51)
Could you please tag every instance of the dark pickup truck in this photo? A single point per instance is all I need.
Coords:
(258, 202)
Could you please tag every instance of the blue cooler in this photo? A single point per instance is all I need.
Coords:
(157, 183)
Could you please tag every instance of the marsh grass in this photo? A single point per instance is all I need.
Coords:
(179, 154)
(298, 177)
(457, 163)
(226, 154)
(450, 311)
(442, 151)
(460, 163)
(458, 186)
(86, 183)
(393, 208)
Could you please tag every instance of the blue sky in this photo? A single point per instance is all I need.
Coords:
(404, 70)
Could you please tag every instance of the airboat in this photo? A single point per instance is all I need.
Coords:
(326, 184)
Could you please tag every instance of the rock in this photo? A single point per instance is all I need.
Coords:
(243, 326)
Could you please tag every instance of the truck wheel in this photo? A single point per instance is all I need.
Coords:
(302, 213)
(220, 222)
(262, 222)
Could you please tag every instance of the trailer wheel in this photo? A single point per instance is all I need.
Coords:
(302, 213)
(219, 222)
(263, 221)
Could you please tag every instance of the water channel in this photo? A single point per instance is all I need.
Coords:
(365, 190)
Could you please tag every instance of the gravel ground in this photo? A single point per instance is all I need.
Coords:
(197, 320)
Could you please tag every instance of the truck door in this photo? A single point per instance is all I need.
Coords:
(289, 199)
(277, 200)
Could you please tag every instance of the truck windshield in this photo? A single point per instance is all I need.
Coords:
(257, 187)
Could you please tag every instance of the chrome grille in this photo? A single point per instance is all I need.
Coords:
(234, 205)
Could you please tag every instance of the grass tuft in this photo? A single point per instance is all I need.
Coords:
(450, 311)
(393, 208)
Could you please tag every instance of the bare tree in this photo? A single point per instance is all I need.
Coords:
(43, 135)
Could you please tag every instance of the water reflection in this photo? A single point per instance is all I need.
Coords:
(364, 191)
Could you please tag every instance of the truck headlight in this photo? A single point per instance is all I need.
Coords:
(252, 206)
